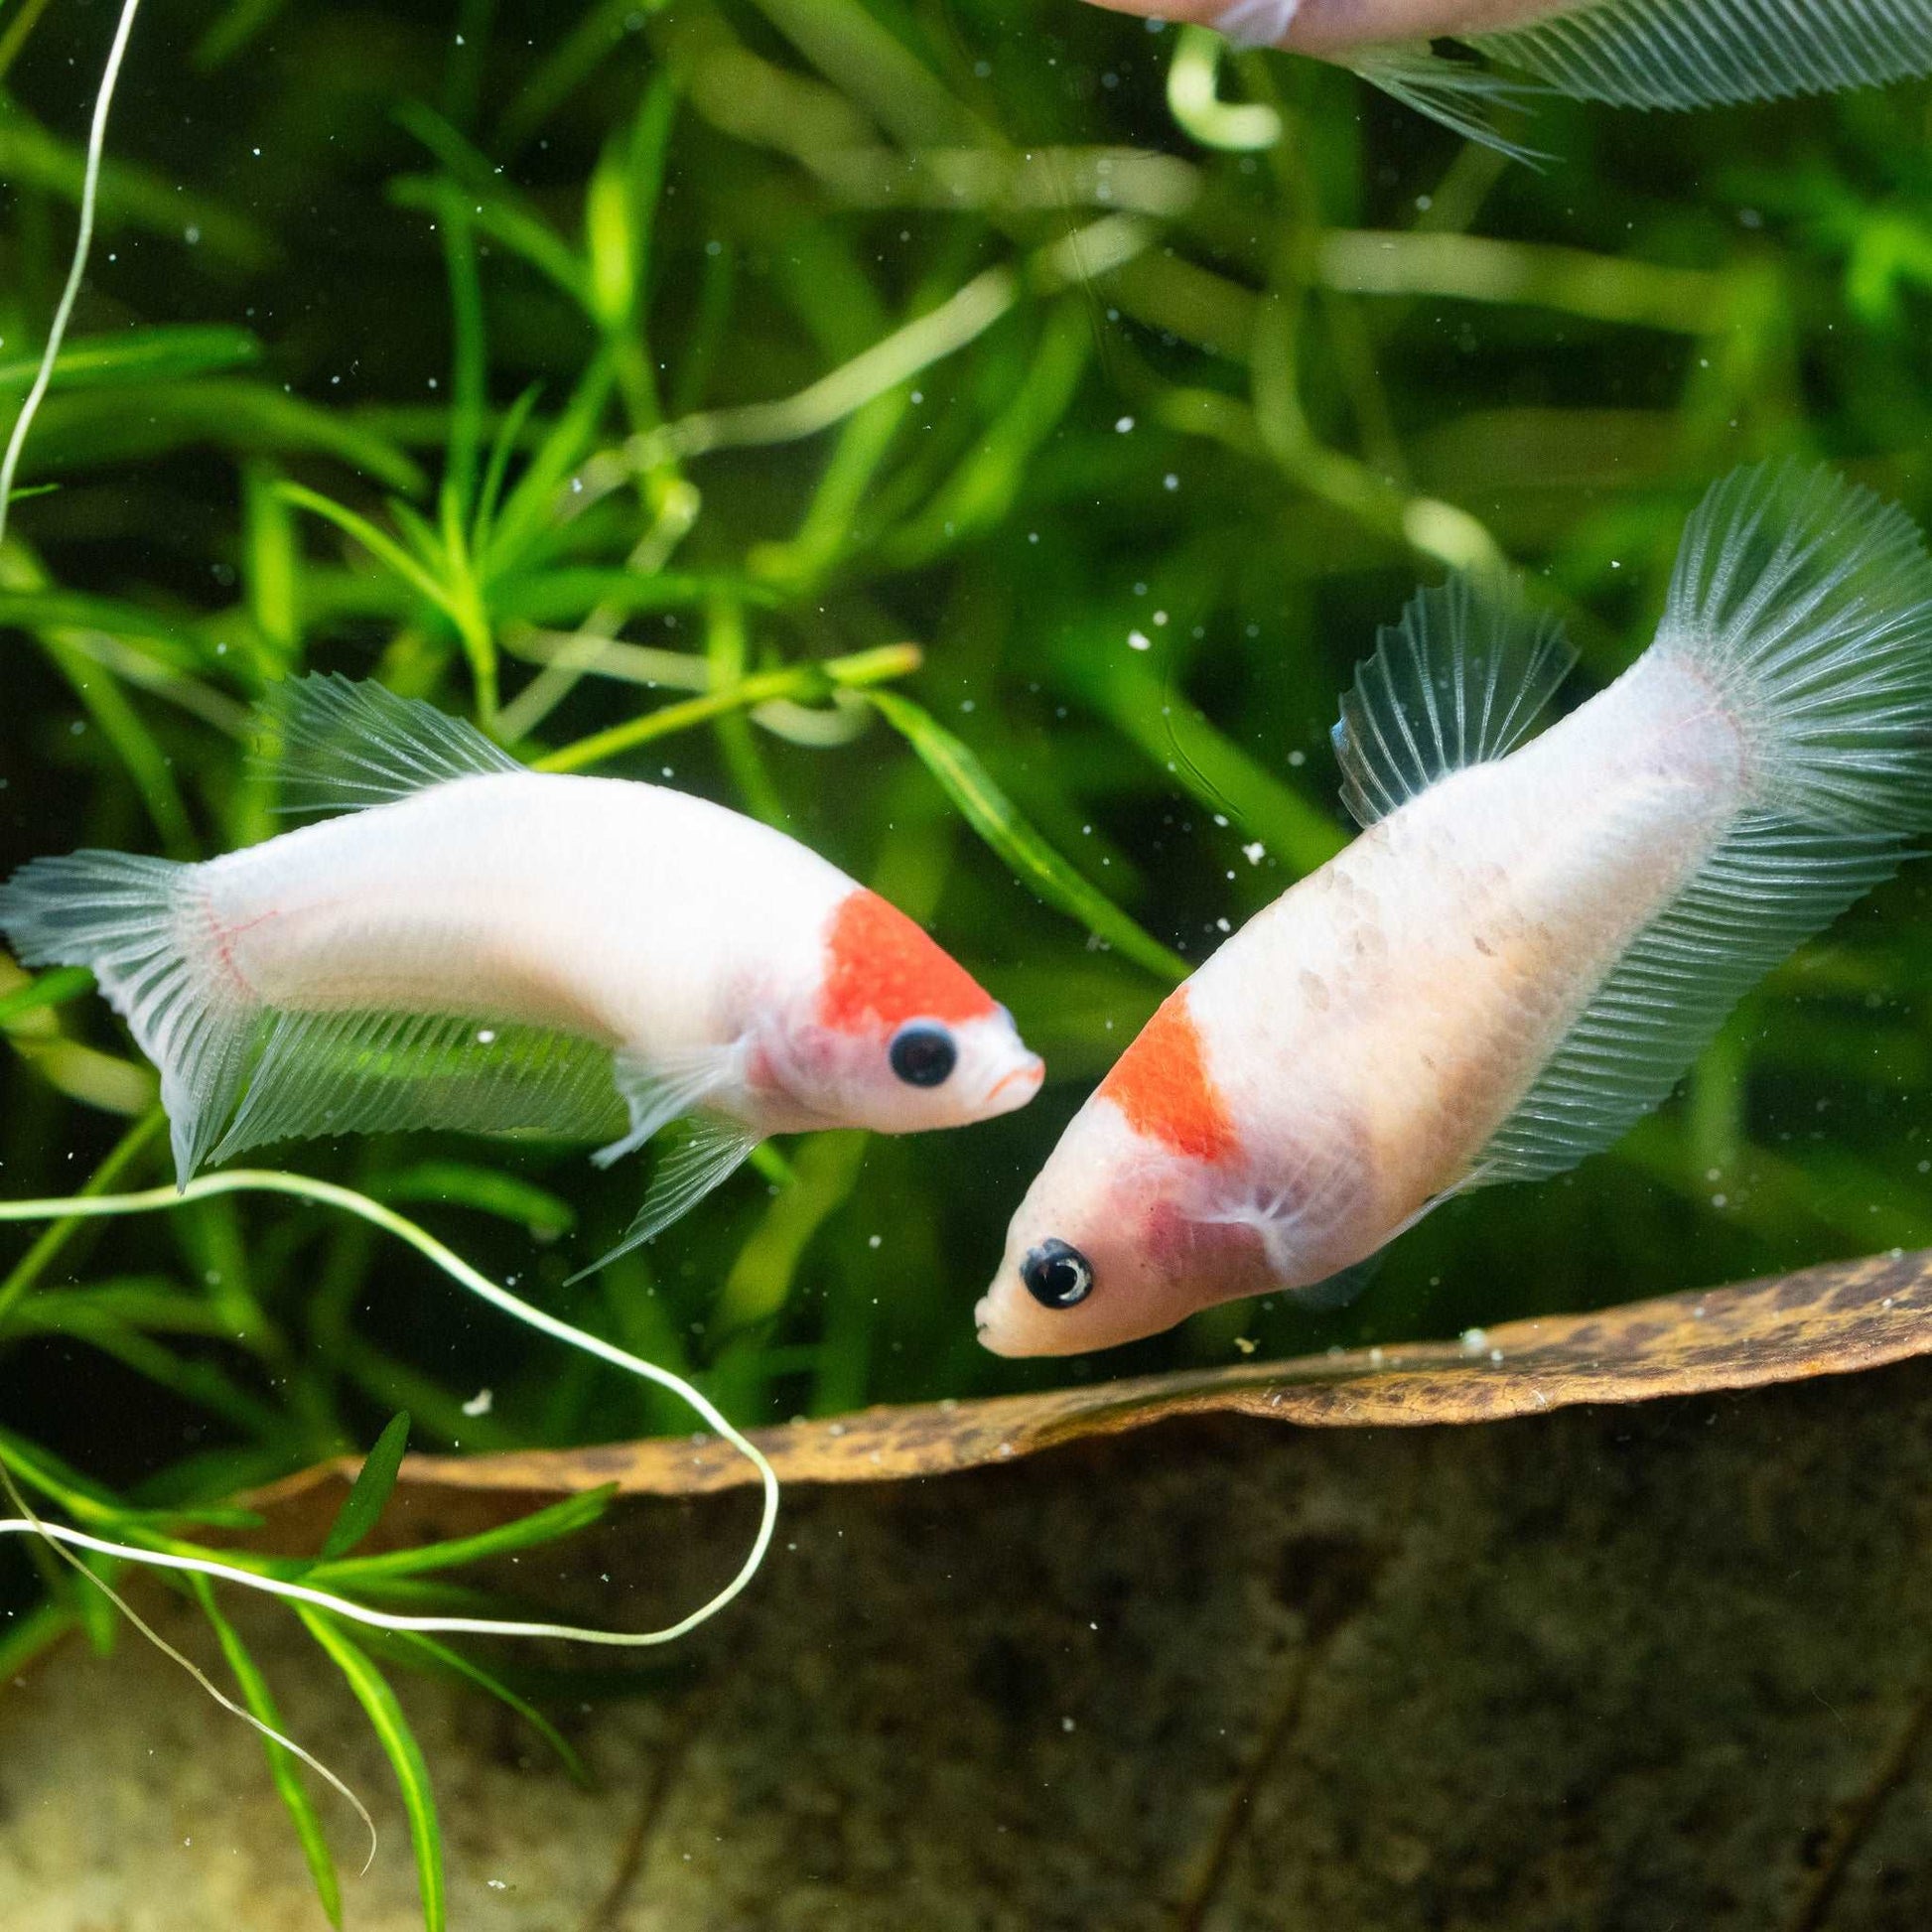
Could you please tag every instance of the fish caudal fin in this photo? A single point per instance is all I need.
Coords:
(140, 926)
(1683, 54)
(1463, 677)
(1806, 605)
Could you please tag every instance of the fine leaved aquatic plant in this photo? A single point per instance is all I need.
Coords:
(900, 423)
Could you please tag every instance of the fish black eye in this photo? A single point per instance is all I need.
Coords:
(923, 1053)
(1057, 1275)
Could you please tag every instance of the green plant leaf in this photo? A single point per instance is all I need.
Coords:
(420, 1649)
(281, 1767)
(988, 810)
(405, 1755)
(162, 353)
(52, 989)
(371, 1490)
(547, 1525)
(464, 1184)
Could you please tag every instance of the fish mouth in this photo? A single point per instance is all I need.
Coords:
(1032, 1072)
(984, 1326)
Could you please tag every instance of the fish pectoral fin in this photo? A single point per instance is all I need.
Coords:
(1462, 678)
(1458, 95)
(335, 745)
(662, 1089)
(1340, 1288)
(706, 1155)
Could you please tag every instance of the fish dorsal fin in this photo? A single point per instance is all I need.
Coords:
(1462, 678)
(1699, 53)
(339, 745)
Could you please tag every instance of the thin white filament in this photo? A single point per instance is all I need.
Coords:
(83, 243)
(262, 1180)
(48, 1532)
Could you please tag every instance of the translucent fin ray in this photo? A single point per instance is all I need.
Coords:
(325, 1073)
(712, 1150)
(1807, 604)
(339, 745)
(140, 926)
(1682, 54)
(1803, 604)
(658, 1093)
(1769, 888)
(1462, 678)
(1461, 97)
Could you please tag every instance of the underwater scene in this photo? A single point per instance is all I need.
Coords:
(760, 753)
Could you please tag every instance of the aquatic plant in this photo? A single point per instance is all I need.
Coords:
(980, 439)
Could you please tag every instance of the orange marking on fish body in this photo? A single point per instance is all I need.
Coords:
(1163, 1085)
(880, 967)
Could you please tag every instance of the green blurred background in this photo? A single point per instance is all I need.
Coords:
(573, 365)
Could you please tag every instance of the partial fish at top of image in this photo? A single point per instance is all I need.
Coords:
(1669, 53)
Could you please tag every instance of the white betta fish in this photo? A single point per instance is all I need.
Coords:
(1526, 947)
(1673, 53)
(488, 947)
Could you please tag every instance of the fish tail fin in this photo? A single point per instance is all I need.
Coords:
(1458, 95)
(140, 926)
(1806, 603)
(1803, 606)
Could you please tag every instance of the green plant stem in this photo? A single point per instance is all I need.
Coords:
(802, 682)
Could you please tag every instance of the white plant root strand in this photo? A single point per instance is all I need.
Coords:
(83, 244)
(262, 1180)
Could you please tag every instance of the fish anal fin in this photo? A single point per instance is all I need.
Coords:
(1768, 887)
(335, 745)
(1683, 54)
(326, 1073)
(1463, 677)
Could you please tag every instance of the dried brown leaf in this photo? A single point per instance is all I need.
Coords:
(1829, 1320)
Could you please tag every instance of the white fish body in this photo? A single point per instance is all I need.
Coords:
(1661, 54)
(1527, 945)
(473, 944)
(1459, 938)
(627, 912)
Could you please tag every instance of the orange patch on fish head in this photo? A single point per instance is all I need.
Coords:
(881, 969)
(1164, 1087)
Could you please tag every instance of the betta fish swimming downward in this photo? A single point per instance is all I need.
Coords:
(1529, 943)
(482, 946)
(1671, 54)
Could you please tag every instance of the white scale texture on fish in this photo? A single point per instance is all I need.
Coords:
(473, 944)
(1530, 941)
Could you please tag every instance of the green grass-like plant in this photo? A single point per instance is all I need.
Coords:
(977, 437)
